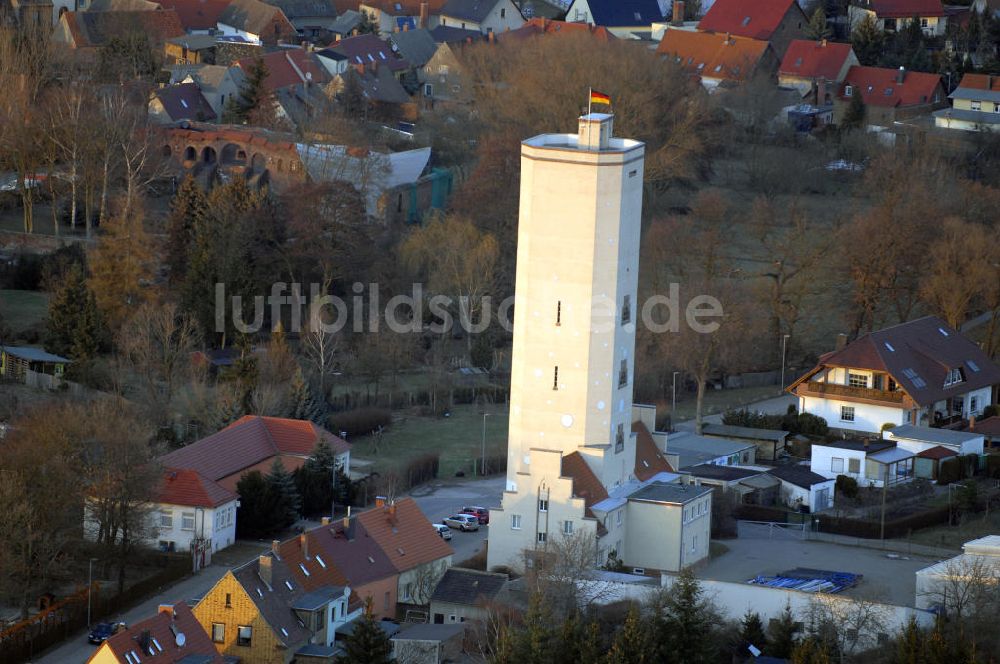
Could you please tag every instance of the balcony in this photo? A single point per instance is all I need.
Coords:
(866, 393)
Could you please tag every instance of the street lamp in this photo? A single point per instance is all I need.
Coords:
(90, 586)
(784, 340)
(482, 472)
(673, 400)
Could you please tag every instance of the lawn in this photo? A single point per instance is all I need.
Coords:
(953, 537)
(719, 401)
(23, 309)
(457, 438)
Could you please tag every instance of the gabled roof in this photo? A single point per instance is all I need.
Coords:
(185, 102)
(648, 459)
(251, 16)
(983, 87)
(189, 487)
(937, 453)
(197, 14)
(814, 59)
(800, 476)
(404, 534)
(124, 6)
(34, 354)
(918, 355)
(404, 7)
(475, 11)
(710, 55)
(932, 435)
(209, 78)
(693, 449)
(93, 29)
(274, 600)
(758, 19)
(417, 46)
(163, 630)
(351, 551)
(905, 8)
(368, 50)
(468, 587)
(446, 34)
(545, 26)
(879, 86)
(585, 482)
(310, 568)
(296, 9)
(346, 22)
(622, 13)
(287, 67)
(748, 433)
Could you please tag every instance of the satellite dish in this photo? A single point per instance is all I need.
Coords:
(180, 639)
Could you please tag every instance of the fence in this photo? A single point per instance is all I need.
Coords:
(772, 530)
(22, 641)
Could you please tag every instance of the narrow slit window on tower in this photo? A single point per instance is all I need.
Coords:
(623, 374)
(627, 309)
(555, 378)
(558, 312)
(620, 438)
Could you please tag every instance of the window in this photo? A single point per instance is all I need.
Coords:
(244, 635)
(847, 413)
(923, 23)
(428, 90)
(543, 505)
(559, 312)
(956, 405)
(219, 632)
(229, 601)
(620, 438)
(542, 538)
(694, 544)
(976, 105)
(618, 517)
(555, 378)
(954, 376)
(627, 309)
(857, 380)
(996, 107)
(848, 91)
(408, 591)
(623, 374)
(503, 12)
(515, 521)
(187, 520)
(854, 466)
(973, 404)
(166, 519)
(567, 528)
(837, 465)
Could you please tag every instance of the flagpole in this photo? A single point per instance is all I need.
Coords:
(590, 99)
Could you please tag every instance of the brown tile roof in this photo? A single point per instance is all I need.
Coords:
(585, 482)
(252, 16)
(989, 427)
(291, 464)
(937, 452)
(814, 59)
(406, 7)
(368, 50)
(197, 14)
(404, 534)
(906, 8)
(309, 566)
(980, 82)
(185, 102)
(92, 29)
(288, 67)
(545, 26)
(918, 355)
(878, 86)
(162, 645)
(757, 19)
(711, 55)
(189, 487)
(353, 551)
(648, 459)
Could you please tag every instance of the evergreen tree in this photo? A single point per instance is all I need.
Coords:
(187, 206)
(254, 104)
(368, 643)
(818, 28)
(368, 25)
(255, 517)
(74, 325)
(690, 621)
(854, 115)
(591, 649)
(751, 634)
(537, 641)
(121, 268)
(316, 484)
(304, 406)
(286, 495)
(782, 634)
(632, 644)
(810, 651)
(868, 41)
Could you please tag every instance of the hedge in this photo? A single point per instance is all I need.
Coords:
(359, 422)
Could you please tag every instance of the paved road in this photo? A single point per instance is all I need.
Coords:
(439, 500)
(777, 405)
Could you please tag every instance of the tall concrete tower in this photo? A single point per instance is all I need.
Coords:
(575, 317)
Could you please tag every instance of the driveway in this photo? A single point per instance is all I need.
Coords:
(441, 499)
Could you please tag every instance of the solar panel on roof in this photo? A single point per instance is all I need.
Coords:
(943, 331)
(889, 347)
(919, 382)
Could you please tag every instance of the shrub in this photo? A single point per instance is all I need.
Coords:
(991, 411)
(812, 425)
(422, 469)
(360, 421)
(847, 487)
(993, 466)
(949, 470)
(792, 421)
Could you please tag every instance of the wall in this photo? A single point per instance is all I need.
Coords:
(867, 418)
(218, 525)
(822, 457)
(382, 593)
(264, 645)
(792, 26)
(460, 612)
(416, 585)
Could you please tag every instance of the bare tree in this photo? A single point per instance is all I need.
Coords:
(961, 273)
(967, 586)
(853, 623)
(563, 573)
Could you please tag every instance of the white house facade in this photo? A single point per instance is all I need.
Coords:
(921, 439)
(486, 17)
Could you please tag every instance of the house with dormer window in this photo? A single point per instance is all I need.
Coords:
(922, 372)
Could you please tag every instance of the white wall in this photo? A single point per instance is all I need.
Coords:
(867, 418)
(230, 31)
(822, 459)
(219, 525)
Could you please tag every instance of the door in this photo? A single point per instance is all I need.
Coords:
(822, 499)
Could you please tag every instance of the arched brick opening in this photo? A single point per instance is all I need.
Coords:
(233, 155)
(258, 163)
(190, 154)
(208, 155)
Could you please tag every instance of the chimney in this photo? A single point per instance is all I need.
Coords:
(392, 509)
(972, 423)
(379, 501)
(491, 37)
(325, 521)
(423, 15)
(841, 341)
(347, 518)
(166, 608)
(822, 44)
(677, 18)
(304, 545)
(264, 570)
(274, 546)
(901, 75)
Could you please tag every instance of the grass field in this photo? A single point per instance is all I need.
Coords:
(23, 309)
(458, 439)
(953, 537)
(719, 401)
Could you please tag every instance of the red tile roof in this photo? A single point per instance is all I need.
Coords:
(648, 459)
(316, 575)
(905, 8)
(585, 482)
(351, 556)
(937, 452)
(92, 29)
(980, 82)
(291, 464)
(879, 87)
(815, 59)
(757, 19)
(162, 646)
(197, 14)
(189, 487)
(544, 26)
(287, 67)
(405, 535)
(368, 50)
(989, 427)
(712, 55)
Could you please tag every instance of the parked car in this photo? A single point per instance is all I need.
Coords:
(462, 522)
(104, 631)
(442, 530)
(481, 513)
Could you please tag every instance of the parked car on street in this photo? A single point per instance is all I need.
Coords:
(103, 631)
(442, 530)
(462, 522)
(481, 513)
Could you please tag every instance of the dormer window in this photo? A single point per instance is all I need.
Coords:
(746, 21)
(848, 91)
(954, 376)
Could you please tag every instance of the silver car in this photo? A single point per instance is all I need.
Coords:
(442, 530)
(462, 522)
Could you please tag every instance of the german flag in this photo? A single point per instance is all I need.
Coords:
(599, 98)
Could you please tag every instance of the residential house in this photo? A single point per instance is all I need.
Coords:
(253, 443)
(385, 95)
(623, 18)
(32, 366)
(918, 439)
(869, 462)
(537, 27)
(193, 513)
(443, 79)
(261, 614)
(421, 643)
(893, 15)
(686, 449)
(889, 95)
(184, 101)
(369, 53)
(311, 18)
(975, 105)
(718, 59)
(749, 485)
(446, 34)
(86, 32)
(770, 443)
(415, 46)
(990, 428)
(486, 16)
(927, 465)
(413, 546)
(190, 50)
(979, 562)
(256, 21)
(816, 68)
(396, 15)
(669, 526)
(172, 636)
(777, 22)
(803, 489)
(346, 24)
(921, 372)
(218, 85)
(465, 594)
(296, 78)
(199, 17)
